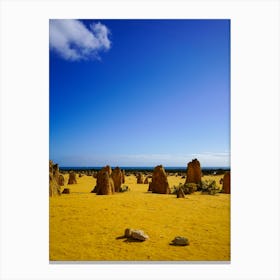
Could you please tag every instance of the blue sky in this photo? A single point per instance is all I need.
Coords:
(139, 92)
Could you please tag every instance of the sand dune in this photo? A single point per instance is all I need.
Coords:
(86, 227)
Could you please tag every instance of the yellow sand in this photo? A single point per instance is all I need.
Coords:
(86, 227)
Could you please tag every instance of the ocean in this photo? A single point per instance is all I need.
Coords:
(144, 168)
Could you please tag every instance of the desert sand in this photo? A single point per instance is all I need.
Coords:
(84, 226)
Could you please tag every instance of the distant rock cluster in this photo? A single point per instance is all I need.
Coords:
(109, 181)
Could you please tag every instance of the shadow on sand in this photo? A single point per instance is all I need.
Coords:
(129, 239)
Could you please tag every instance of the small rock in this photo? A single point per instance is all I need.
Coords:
(139, 235)
(66, 191)
(180, 193)
(135, 234)
(127, 232)
(124, 188)
(180, 241)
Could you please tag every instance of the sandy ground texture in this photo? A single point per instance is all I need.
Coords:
(84, 226)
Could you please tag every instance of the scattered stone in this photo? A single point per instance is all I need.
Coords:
(66, 191)
(139, 235)
(72, 178)
(128, 232)
(180, 241)
(159, 182)
(180, 193)
(226, 183)
(136, 234)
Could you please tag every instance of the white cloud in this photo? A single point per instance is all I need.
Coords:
(219, 159)
(72, 40)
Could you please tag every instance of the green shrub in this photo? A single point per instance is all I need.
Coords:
(209, 187)
(187, 188)
(175, 189)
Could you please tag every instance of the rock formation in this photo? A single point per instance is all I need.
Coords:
(146, 180)
(117, 177)
(54, 187)
(159, 182)
(180, 193)
(123, 176)
(108, 169)
(226, 183)
(72, 178)
(104, 182)
(140, 178)
(60, 180)
(194, 172)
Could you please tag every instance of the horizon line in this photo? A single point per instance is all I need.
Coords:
(142, 166)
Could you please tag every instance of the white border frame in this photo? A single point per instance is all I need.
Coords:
(254, 137)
